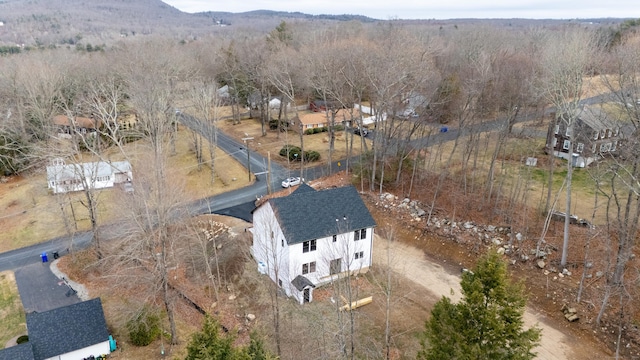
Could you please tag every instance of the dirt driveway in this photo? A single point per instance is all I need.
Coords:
(412, 263)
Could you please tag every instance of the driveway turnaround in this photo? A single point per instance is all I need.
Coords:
(40, 290)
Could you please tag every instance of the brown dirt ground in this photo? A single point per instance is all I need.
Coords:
(428, 268)
(547, 293)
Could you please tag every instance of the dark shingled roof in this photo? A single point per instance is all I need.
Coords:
(18, 352)
(301, 282)
(308, 214)
(66, 329)
(596, 118)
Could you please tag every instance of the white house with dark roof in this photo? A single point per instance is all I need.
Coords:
(312, 237)
(62, 178)
(73, 332)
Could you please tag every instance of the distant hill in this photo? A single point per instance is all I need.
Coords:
(102, 22)
(64, 21)
(231, 17)
(69, 22)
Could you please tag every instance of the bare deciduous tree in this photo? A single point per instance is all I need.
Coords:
(566, 59)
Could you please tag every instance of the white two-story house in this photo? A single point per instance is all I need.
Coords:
(311, 237)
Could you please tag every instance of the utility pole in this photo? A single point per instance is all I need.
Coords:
(269, 172)
(246, 145)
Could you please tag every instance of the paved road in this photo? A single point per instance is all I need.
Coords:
(237, 201)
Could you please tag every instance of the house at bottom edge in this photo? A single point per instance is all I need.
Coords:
(74, 332)
(311, 237)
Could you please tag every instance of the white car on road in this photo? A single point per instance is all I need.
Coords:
(292, 181)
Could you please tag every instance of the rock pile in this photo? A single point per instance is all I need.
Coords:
(461, 231)
(502, 238)
(570, 313)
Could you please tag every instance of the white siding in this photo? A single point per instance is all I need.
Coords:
(287, 260)
(268, 250)
(98, 175)
(326, 250)
(95, 350)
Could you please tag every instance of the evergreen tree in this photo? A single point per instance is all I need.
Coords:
(256, 350)
(486, 324)
(209, 345)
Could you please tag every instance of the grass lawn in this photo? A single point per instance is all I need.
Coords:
(29, 214)
(511, 172)
(272, 143)
(12, 318)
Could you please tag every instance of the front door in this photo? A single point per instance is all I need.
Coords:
(306, 295)
(335, 266)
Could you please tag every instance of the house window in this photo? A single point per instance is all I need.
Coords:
(605, 147)
(557, 129)
(356, 235)
(360, 234)
(602, 133)
(309, 268)
(335, 266)
(615, 133)
(363, 233)
(593, 148)
(555, 142)
(568, 131)
(595, 136)
(335, 238)
(282, 242)
(279, 282)
(579, 147)
(359, 255)
(566, 144)
(309, 246)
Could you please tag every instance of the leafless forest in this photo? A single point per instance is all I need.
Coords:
(146, 58)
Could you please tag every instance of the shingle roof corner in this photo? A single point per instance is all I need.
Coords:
(67, 328)
(303, 188)
(19, 352)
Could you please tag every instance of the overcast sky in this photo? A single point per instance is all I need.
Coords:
(429, 9)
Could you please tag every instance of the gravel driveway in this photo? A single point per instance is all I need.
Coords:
(412, 263)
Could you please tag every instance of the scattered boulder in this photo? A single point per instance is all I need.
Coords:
(541, 264)
(250, 317)
(570, 313)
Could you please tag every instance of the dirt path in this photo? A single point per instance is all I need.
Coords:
(412, 263)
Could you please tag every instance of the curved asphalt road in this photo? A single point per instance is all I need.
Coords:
(237, 203)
